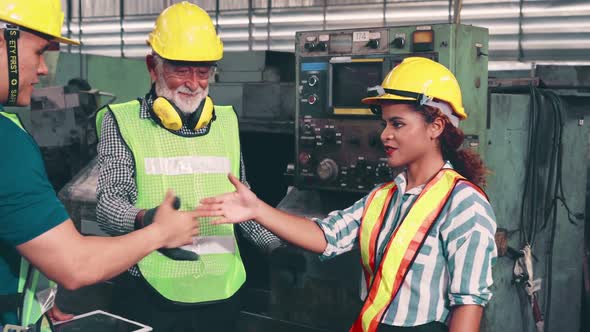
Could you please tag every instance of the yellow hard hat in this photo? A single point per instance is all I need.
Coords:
(44, 16)
(184, 32)
(421, 80)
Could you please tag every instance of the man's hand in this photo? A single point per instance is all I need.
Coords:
(177, 228)
(57, 315)
(238, 206)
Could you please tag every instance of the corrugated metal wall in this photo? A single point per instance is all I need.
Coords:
(520, 31)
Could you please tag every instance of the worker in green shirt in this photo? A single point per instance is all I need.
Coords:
(36, 233)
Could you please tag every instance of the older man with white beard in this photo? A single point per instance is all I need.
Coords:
(175, 137)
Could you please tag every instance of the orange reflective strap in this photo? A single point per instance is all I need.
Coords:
(371, 224)
(402, 247)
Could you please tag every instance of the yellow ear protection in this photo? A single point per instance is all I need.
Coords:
(170, 117)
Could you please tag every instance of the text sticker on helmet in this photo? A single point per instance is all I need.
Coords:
(360, 36)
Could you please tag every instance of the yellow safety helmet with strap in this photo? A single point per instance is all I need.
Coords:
(44, 16)
(35, 16)
(184, 32)
(421, 80)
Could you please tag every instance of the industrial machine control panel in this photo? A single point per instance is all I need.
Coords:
(338, 145)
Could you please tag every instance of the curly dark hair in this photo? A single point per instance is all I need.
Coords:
(465, 161)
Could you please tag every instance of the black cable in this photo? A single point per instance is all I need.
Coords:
(553, 169)
(539, 195)
(543, 179)
(558, 194)
(534, 169)
(554, 192)
(523, 234)
(527, 212)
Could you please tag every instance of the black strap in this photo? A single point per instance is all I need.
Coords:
(429, 327)
(11, 34)
(418, 96)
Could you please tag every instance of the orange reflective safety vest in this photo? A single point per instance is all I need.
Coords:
(385, 280)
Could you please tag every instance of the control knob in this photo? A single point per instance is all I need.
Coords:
(373, 43)
(310, 46)
(398, 42)
(327, 170)
(312, 80)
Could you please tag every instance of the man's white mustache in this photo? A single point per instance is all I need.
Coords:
(185, 90)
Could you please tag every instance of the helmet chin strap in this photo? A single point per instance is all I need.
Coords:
(11, 35)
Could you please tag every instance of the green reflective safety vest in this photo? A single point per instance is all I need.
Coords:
(35, 291)
(195, 168)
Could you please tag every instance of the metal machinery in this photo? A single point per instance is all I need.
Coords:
(537, 150)
(260, 85)
(60, 121)
(338, 145)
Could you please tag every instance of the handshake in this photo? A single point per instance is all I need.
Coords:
(147, 217)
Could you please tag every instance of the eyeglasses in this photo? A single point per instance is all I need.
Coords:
(187, 72)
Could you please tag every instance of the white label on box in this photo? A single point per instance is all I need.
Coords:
(360, 36)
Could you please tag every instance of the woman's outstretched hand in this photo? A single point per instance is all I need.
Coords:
(235, 207)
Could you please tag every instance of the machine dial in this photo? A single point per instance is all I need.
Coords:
(327, 170)
(373, 43)
(312, 80)
(398, 42)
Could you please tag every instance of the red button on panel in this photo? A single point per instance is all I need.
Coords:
(312, 99)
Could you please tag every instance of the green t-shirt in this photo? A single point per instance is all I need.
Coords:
(28, 204)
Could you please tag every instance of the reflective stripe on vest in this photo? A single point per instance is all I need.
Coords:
(39, 296)
(194, 167)
(35, 292)
(14, 118)
(384, 282)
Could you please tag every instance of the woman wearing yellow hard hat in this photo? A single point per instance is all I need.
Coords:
(427, 237)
